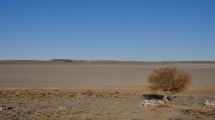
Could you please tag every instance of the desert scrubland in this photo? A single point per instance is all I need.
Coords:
(89, 90)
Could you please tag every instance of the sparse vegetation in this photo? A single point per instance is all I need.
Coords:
(169, 79)
(17, 92)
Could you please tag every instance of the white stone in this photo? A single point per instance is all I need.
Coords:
(210, 103)
(151, 102)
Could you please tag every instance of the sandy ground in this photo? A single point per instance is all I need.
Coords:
(93, 74)
(101, 104)
(99, 91)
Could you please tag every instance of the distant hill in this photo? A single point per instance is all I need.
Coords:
(62, 60)
(67, 61)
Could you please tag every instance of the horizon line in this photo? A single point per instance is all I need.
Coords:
(103, 60)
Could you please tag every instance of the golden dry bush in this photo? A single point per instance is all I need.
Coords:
(169, 79)
(17, 92)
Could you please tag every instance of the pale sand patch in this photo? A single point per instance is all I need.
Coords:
(70, 75)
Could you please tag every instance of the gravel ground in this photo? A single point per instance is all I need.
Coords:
(56, 104)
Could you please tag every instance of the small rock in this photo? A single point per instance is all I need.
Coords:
(99, 95)
(71, 95)
(10, 108)
(209, 103)
(62, 108)
(190, 97)
(1, 109)
(199, 117)
(116, 96)
(116, 92)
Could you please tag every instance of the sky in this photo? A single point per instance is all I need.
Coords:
(142, 30)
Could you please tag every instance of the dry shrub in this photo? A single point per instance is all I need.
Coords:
(116, 92)
(169, 79)
(90, 92)
(29, 92)
(17, 92)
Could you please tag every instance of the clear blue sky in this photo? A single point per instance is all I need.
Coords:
(108, 29)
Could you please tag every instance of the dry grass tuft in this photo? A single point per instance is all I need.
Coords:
(30, 92)
(90, 92)
(163, 106)
(17, 92)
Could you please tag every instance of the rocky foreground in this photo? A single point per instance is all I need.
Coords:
(76, 104)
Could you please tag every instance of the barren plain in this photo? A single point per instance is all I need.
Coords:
(87, 90)
(94, 74)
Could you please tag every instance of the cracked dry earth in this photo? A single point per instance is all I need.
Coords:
(27, 104)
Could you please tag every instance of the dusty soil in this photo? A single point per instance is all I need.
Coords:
(101, 104)
(28, 74)
(101, 91)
